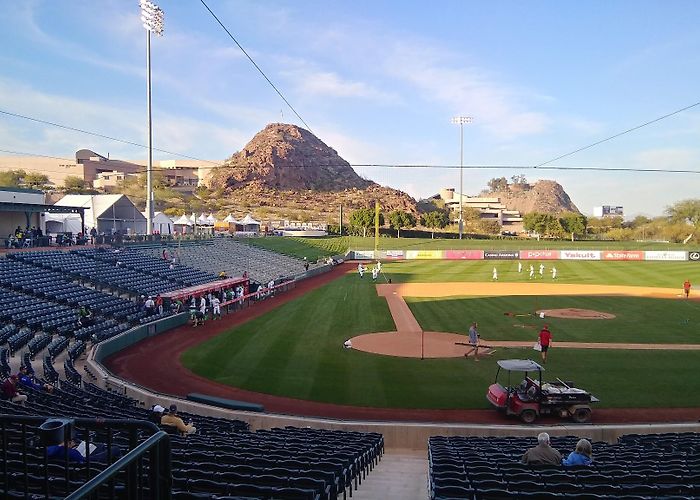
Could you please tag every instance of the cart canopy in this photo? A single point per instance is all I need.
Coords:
(520, 365)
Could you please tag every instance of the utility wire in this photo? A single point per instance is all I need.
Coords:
(618, 135)
(95, 134)
(256, 65)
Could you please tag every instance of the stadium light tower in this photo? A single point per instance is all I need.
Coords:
(152, 19)
(461, 120)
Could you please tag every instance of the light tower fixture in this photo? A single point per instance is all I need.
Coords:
(152, 19)
(461, 121)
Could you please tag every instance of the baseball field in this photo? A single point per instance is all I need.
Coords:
(296, 350)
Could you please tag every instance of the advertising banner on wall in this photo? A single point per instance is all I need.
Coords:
(501, 254)
(391, 254)
(364, 254)
(424, 254)
(694, 255)
(464, 254)
(580, 254)
(622, 255)
(539, 254)
(665, 255)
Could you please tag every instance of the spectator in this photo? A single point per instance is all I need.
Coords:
(198, 317)
(26, 378)
(172, 418)
(543, 453)
(582, 455)
(93, 235)
(159, 304)
(77, 453)
(149, 306)
(222, 275)
(156, 414)
(9, 391)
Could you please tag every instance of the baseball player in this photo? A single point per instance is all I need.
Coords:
(532, 271)
(216, 307)
(686, 288)
(375, 273)
(554, 272)
(520, 267)
(494, 275)
(361, 270)
(203, 306)
(379, 266)
(541, 270)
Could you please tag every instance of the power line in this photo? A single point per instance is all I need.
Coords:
(619, 134)
(96, 134)
(34, 154)
(256, 66)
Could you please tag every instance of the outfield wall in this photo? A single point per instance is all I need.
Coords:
(613, 255)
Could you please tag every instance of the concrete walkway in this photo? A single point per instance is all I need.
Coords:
(399, 475)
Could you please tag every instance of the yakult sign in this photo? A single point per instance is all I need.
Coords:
(580, 254)
(539, 254)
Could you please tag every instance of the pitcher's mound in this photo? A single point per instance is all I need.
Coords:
(573, 313)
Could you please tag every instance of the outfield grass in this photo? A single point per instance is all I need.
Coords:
(296, 350)
(314, 248)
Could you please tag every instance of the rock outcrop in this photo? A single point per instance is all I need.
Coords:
(543, 196)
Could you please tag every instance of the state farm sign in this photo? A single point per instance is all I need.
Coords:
(539, 254)
(580, 254)
(622, 255)
(665, 255)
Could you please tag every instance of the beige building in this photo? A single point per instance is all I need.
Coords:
(103, 173)
(489, 207)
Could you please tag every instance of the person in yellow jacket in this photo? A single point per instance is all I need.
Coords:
(171, 418)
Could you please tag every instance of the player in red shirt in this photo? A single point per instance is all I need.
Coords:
(545, 338)
(686, 288)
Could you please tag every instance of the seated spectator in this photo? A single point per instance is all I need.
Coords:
(9, 391)
(543, 453)
(85, 316)
(26, 378)
(222, 275)
(581, 456)
(77, 453)
(156, 414)
(171, 418)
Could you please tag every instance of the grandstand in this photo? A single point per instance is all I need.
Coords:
(234, 258)
(235, 454)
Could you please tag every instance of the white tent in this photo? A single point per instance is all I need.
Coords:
(211, 220)
(202, 220)
(63, 223)
(193, 218)
(162, 224)
(107, 212)
(183, 220)
(250, 224)
(229, 218)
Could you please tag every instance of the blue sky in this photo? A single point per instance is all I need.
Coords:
(379, 82)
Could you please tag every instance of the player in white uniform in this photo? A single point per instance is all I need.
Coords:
(520, 267)
(203, 306)
(375, 273)
(379, 266)
(532, 271)
(494, 275)
(554, 272)
(216, 307)
(541, 270)
(361, 270)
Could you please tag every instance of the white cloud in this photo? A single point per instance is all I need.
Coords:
(327, 83)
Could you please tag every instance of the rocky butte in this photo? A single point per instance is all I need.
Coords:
(288, 166)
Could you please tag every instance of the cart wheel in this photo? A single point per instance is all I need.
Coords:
(528, 416)
(581, 415)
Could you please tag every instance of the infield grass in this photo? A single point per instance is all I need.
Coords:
(296, 350)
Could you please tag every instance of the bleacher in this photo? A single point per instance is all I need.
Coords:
(649, 466)
(223, 459)
(234, 258)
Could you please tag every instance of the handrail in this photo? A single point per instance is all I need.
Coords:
(119, 465)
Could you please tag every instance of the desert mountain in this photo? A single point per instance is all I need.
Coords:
(285, 165)
(542, 196)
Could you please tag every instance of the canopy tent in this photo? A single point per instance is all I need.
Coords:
(193, 218)
(107, 212)
(250, 224)
(202, 220)
(229, 218)
(211, 220)
(183, 220)
(63, 223)
(162, 224)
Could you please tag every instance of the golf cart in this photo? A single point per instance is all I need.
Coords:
(532, 397)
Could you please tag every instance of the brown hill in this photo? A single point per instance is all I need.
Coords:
(288, 166)
(543, 196)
